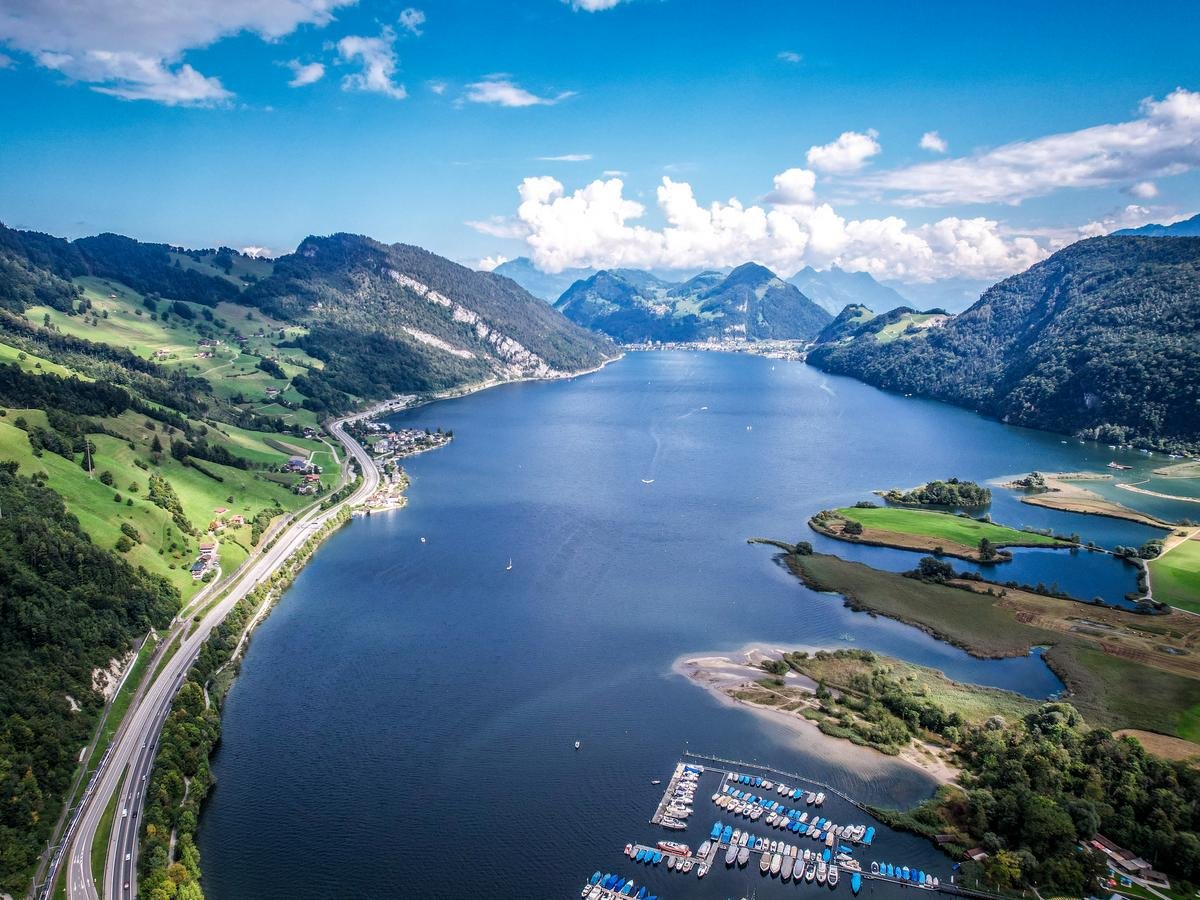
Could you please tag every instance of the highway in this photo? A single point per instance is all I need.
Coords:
(126, 769)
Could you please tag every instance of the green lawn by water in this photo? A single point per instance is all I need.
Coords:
(1175, 577)
(942, 526)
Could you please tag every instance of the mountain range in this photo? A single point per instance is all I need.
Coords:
(1186, 228)
(1099, 339)
(830, 289)
(750, 302)
(835, 288)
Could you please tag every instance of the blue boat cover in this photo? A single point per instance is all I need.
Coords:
(595, 878)
(855, 882)
(870, 835)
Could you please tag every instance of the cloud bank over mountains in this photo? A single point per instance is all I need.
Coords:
(599, 226)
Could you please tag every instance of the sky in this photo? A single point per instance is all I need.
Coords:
(918, 143)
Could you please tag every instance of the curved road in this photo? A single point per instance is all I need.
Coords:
(126, 768)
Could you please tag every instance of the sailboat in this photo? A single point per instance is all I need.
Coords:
(577, 745)
(508, 568)
(647, 481)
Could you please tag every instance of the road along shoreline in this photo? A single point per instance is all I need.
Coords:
(135, 751)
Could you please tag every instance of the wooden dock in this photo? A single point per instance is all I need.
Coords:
(791, 776)
(668, 794)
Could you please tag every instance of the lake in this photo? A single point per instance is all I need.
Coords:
(404, 721)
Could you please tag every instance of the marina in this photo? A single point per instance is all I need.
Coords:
(748, 791)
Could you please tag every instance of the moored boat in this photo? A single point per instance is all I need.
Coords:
(701, 870)
(764, 862)
(731, 854)
(874, 868)
(855, 882)
(675, 847)
(789, 863)
(776, 863)
(811, 872)
(833, 876)
(822, 871)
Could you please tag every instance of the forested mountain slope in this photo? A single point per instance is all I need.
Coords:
(153, 398)
(1099, 339)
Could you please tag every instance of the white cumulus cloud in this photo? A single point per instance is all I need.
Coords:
(489, 263)
(598, 226)
(934, 142)
(412, 20)
(848, 153)
(499, 90)
(793, 186)
(1164, 140)
(377, 58)
(305, 73)
(592, 5)
(134, 49)
(257, 252)
(1144, 190)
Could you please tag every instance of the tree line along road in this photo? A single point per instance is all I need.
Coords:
(126, 770)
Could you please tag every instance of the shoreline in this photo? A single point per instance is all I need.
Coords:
(405, 402)
(1065, 495)
(720, 673)
(278, 580)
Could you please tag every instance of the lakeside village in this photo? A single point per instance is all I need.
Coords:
(387, 446)
(791, 350)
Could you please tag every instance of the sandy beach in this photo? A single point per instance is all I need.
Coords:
(1063, 492)
(722, 674)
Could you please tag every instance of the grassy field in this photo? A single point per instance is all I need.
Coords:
(900, 328)
(129, 460)
(974, 703)
(944, 527)
(28, 362)
(1119, 675)
(1175, 576)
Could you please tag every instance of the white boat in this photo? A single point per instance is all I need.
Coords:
(647, 481)
(578, 745)
(822, 872)
(701, 870)
(704, 848)
(833, 876)
(776, 863)
(509, 566)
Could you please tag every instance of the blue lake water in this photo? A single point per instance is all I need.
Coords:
(404, 720)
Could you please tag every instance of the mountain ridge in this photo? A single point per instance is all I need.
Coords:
(1098, 339)
(749, 302)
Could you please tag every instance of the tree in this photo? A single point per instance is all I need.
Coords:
(852, 527)
(1002, 869)
(987, 551)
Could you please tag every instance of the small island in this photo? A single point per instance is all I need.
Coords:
(949, 493)
(940, 533)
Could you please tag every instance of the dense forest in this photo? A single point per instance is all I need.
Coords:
(1034, 789)
(1098, 340)
(66, 608)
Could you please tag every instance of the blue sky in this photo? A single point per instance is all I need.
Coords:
(415, 127)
